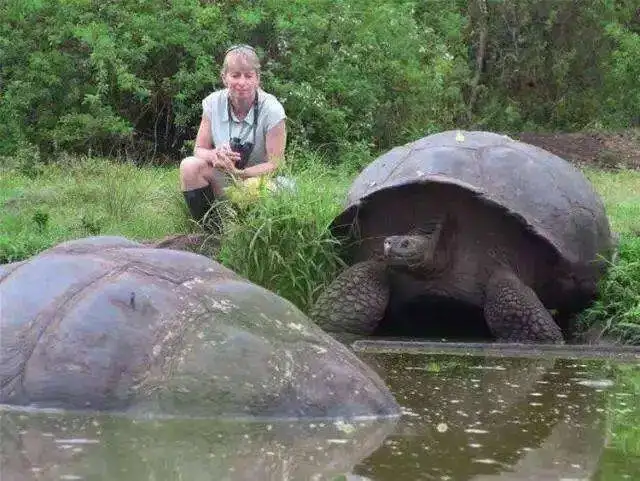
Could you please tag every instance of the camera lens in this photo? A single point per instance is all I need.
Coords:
(243, 148)
(235, 144)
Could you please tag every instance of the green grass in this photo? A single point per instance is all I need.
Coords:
(617, 309)
(281, 242)
(621, 194)
(83, 197)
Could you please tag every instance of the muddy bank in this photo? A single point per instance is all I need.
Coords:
(606, 150)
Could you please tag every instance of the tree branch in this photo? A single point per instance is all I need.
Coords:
(480, 56)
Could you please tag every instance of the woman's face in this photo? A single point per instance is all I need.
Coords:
(241, 79)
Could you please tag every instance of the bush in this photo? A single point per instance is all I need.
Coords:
(282, 242)
(617, 310)
(126, 78)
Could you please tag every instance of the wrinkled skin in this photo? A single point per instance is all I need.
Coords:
(473, 217)
(106, 324)
(512, 310)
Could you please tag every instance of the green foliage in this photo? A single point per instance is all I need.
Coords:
(126, 78)
(354, 74)
(622, 79)
(617, 309)
(546, 63)
(120, 77)
(282, 242)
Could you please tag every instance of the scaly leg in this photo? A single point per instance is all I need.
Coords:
(514, 312)
(355, 301)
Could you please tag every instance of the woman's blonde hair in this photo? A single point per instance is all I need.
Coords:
(246, 52)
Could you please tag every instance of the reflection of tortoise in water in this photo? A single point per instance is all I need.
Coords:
(490, 418)
(477, 218)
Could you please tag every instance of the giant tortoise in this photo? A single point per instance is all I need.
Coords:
(106, 324)
(509, 229)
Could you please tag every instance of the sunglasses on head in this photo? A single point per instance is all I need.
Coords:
(238, 46)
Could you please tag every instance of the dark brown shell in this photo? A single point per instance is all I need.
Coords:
(550, 196)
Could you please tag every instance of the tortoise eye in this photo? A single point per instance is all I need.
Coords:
(404, 244)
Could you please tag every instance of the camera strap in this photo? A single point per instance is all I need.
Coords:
(255, 116)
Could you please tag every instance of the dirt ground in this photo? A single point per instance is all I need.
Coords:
(606, 150)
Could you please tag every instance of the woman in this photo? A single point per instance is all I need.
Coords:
(242, 116)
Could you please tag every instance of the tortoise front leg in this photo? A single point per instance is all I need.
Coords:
(355, 301)
(514, 312)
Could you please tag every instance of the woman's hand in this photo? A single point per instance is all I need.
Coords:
(230, 157)
(223, 159)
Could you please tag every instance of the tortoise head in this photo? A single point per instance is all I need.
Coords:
(415, 250)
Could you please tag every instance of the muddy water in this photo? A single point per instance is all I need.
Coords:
(492, 418)
(466, 417)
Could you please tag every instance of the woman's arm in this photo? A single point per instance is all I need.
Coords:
(204, 143)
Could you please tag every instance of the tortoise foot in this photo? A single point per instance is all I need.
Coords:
(355, 301)
(514, 313)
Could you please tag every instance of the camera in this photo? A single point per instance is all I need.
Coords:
(243, 148)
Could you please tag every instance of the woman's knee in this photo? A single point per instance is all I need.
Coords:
(193, 173)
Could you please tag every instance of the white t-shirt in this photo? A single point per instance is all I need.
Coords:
(270, 112)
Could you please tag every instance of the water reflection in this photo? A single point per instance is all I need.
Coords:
(490, 418)
(478, 418)
(39, 446)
